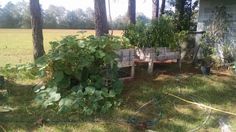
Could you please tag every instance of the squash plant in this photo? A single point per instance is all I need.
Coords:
(80, 75)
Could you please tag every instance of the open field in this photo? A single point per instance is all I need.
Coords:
(16, 44)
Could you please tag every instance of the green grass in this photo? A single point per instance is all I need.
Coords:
(217, 90)
(16, 44)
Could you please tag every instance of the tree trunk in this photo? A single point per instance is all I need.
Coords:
(37, 34)
(155, 9)
(101, 24)
(163, 5)
(132, 11)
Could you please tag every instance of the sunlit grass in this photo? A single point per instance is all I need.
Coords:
(16, 44)
(216, 90)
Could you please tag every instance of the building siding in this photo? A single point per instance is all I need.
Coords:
(206, 8)
(205, 13)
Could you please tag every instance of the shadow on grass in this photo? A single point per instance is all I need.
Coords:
(24, 115)
(214, 90)
(171, 114)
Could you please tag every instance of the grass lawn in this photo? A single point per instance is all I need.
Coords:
(16, 44)
(145, 98)
(170, 114)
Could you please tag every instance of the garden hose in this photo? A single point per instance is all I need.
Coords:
(207, 111)
(3, 129)
(149, 102)
(201, 105)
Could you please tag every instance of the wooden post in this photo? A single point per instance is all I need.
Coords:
(2, 81)
(126, 59)
(132, 71)
(150, 67)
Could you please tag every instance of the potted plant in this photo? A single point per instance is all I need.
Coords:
(206, 65)
(207, 49)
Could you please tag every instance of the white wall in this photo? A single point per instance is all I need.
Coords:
(205, 13)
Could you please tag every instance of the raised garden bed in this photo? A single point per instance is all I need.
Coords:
(158, 55)
(126, 60)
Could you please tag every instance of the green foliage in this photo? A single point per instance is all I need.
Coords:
(180, 37)
(138, 35)
(185, 15)
(20, 72)
(160, 33)
(216, 39)
(81, 74)
(229, 53)
(207, 44)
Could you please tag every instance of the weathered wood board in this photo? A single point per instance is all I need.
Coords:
(158, 55)
(126, 59)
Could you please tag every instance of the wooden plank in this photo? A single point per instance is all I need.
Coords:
(146, 54)
(126, 59)
(150, 67)
(126, 78)
(158, 62)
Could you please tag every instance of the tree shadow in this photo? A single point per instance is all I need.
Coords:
(214, 90)
(171, 113)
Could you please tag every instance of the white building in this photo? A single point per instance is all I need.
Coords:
(206, 14)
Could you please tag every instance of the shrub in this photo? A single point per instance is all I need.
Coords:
(207, 44)
(138, 35)
(20, 71)
(160, 33)
(80, 75)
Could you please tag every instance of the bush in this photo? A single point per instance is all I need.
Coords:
(160, 33)
(20, 71)
(80, 75)
(208, 50)
(138, 35)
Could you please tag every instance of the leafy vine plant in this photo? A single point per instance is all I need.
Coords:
(76, 75)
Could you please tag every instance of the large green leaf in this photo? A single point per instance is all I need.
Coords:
(100, 54)
(112, 94)
(66, 102)
(58, 76)
(89, 90)
(65, 82)
(54, 97)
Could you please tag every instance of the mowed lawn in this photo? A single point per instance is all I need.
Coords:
(16, 45)
(145, 98)
(167, 113)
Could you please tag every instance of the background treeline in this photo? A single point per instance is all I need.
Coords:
(56, 17)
